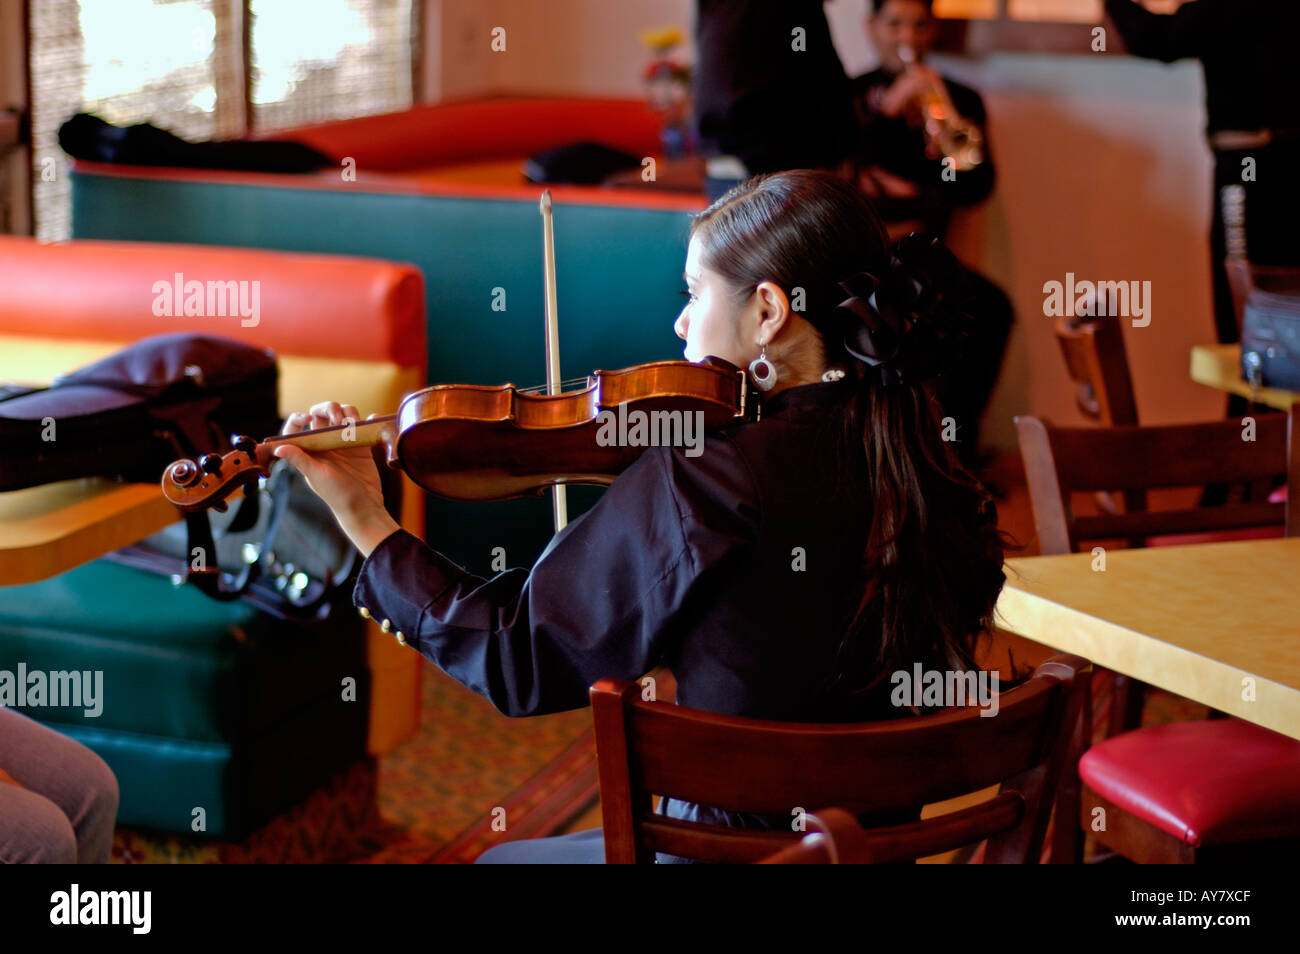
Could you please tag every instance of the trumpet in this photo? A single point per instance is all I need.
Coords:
(947, 134)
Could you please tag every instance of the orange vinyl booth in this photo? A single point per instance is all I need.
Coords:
(207, 703)
(483, 139)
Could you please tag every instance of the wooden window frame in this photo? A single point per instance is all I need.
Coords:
(1003, 34)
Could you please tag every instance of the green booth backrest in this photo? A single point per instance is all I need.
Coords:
(618, 273)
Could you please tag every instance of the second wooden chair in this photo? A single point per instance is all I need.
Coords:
(1175, 793)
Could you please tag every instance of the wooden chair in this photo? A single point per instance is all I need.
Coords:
(1147, 773)
(1062, 461)
(776, 768)
(1097, 363)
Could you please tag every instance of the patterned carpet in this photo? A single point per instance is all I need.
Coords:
(436, 797)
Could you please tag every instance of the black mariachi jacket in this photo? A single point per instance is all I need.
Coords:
(735, 568)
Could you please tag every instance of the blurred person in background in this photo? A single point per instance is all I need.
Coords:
(768, 97)
(1252, 117)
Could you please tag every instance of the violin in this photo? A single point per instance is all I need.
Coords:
(480, 443)
(474, 442)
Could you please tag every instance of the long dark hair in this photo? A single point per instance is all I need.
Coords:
(932, 561)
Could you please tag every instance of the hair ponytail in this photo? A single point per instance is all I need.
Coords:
(931, 566)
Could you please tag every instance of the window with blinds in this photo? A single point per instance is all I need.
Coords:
(353, 58)
(181, 65)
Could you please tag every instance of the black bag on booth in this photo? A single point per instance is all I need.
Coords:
(132, 413)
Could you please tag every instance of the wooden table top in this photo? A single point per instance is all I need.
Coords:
(1194, 620)
(1219, 366)
(52, 528)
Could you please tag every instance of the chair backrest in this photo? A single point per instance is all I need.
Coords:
(1097, 363)
(784, 768)
(1060, 461)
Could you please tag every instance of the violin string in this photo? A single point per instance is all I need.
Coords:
(567, 383)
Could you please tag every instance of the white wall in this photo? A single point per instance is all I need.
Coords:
(458, 60)
(552, 46)
(1103, 171)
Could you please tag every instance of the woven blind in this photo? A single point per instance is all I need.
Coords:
(126, 61)
(352, 59)
(179, 65)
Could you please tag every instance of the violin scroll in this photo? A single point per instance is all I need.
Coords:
(209, 481)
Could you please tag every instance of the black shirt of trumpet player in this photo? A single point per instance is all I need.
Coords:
(922, 144)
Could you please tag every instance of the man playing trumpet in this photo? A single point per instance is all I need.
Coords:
(922, 152)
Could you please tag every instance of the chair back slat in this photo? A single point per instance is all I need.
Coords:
(711, 844)
(1097, 362)
(783, 769)
(1150, 523)
(1175, 455)
(836, 837)
(772, 768)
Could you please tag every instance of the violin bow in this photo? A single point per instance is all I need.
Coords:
(559, 499)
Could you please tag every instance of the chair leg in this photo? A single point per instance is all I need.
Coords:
(1127, 696)
(1067, 836)
(1128, 835)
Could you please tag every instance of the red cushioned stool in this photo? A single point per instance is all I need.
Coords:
(1222, 790)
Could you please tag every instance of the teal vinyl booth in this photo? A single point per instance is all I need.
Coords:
(440, 187)
(219, 716)
(214, 717)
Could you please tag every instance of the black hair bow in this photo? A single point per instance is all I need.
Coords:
(906, 324)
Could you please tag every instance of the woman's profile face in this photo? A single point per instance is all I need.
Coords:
(710, 324)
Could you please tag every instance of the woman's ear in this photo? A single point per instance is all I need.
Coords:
(773, 310)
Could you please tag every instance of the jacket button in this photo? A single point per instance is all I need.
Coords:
(400, 637)
(386, 626)
(365, 613)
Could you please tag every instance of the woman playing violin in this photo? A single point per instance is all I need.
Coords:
(784, 572)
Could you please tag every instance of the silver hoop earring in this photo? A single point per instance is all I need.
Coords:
(762, 371)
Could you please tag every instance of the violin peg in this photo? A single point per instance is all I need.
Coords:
(184, 473)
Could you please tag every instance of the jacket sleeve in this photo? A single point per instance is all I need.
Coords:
(605, 599)
(1162, 36)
